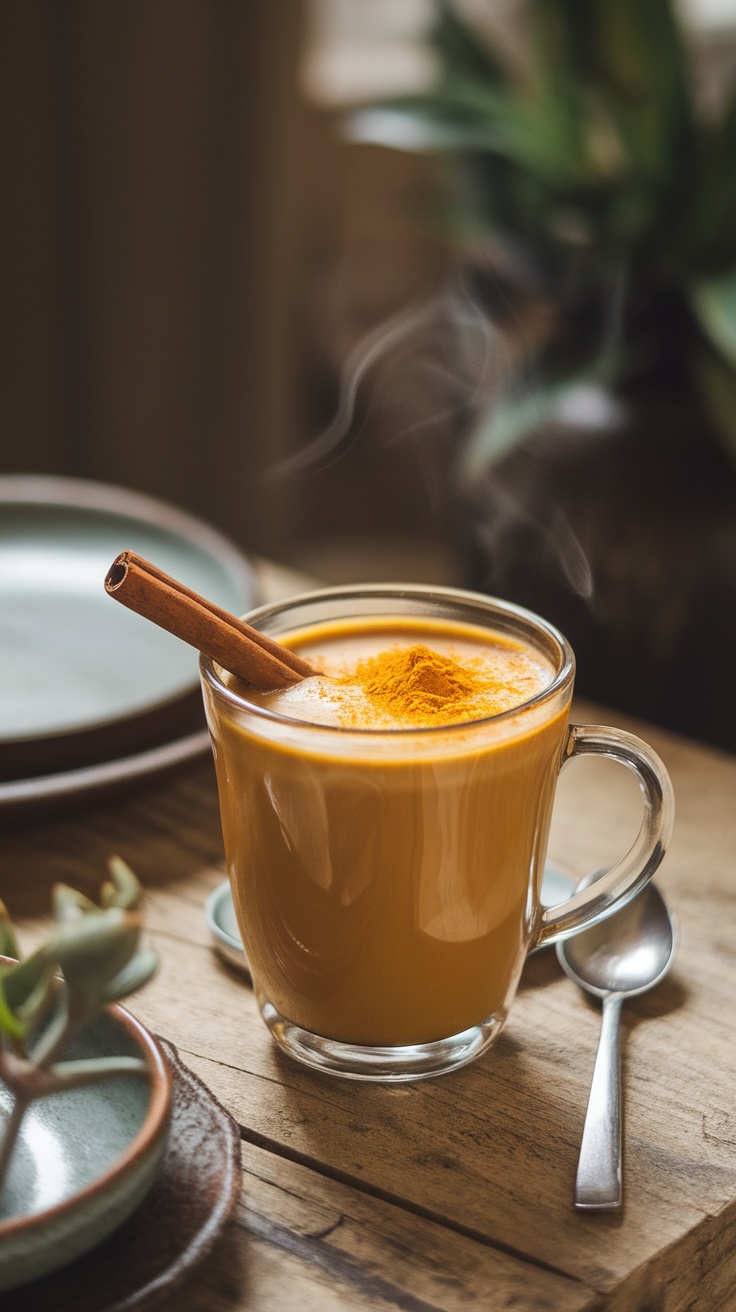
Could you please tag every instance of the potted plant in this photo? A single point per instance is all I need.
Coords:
(597, 209)
(91, 958)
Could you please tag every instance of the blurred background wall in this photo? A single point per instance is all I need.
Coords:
(148, 244)
(189, 252)
(192, 251)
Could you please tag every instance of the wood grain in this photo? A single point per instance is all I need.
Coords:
(373, 1253)
(442, 1190)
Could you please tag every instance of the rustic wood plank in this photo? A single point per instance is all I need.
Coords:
(489, 1174)
(490, 1152)
(336, 1244)
(401, 1256)
(665, 1064)
(245, 1273)
(168, 833)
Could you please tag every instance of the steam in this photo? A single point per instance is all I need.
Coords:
(441, 349)
(515, 515)
(435, 369)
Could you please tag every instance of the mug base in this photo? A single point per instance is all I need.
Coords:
(381, 1065)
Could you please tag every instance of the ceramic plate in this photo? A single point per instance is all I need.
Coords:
(223, 926)
(84, 1159)
(557, 885)
(54, 794)
(83, 680)
(175, 1227)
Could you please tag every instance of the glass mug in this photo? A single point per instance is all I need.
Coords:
(387, 882)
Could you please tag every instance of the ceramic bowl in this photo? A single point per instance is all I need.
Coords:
(175, 1227)
(84, 1158)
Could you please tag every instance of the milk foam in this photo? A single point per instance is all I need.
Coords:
(507, 673)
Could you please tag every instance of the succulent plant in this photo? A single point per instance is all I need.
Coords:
(91, 958)
(595, 184)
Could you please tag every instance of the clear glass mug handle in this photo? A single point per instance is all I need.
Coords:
(634, 870)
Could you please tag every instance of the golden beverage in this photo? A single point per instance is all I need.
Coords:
(386, 822)
(386, 880)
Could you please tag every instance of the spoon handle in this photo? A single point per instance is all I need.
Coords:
(598, 1182)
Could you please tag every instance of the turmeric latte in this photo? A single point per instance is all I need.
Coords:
(385, 882)
(408, 676)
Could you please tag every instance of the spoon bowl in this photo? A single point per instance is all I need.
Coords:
(628, 953)
(618, 958)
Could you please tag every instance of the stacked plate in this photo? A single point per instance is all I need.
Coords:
(92, 696)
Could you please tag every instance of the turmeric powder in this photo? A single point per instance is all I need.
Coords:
(417, 686)
(405, 676)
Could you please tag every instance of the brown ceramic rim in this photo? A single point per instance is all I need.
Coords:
(564, 676)
(157, 1116)
(22, 797)
(228, 1196)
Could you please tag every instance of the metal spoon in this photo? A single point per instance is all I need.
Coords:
(616, 959)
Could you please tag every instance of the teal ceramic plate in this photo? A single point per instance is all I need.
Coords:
(557, 885)
(54, 794)
(84, 1159)
(223, 926)
(82, 680)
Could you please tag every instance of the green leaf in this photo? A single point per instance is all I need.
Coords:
(462, 49)
(123, 890)
(18, 982)
(467, 120)
(92, 951)
(463, 115)
(543, 134)
(607, 98)
(68, 903)
(710, 217)
(717, 382)
(9, 1024)
(31, 1011)
(23, 988)
(714, 302)
(413, 129)
(505, 428)
(516, 417)
(8, 941)
(558, 89)
(133, 977)
(632, 54)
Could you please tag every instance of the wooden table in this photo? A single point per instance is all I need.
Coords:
(456, 1192)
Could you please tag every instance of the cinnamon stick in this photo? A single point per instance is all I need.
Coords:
(235, 646)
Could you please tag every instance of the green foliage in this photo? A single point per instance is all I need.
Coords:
(92, 957)
(94, 949)
(509, 422)
(8, 941)
(122, 889)
(714, 301)
(592, 158)
(718, 384)
(24, 991)
(68, 903)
